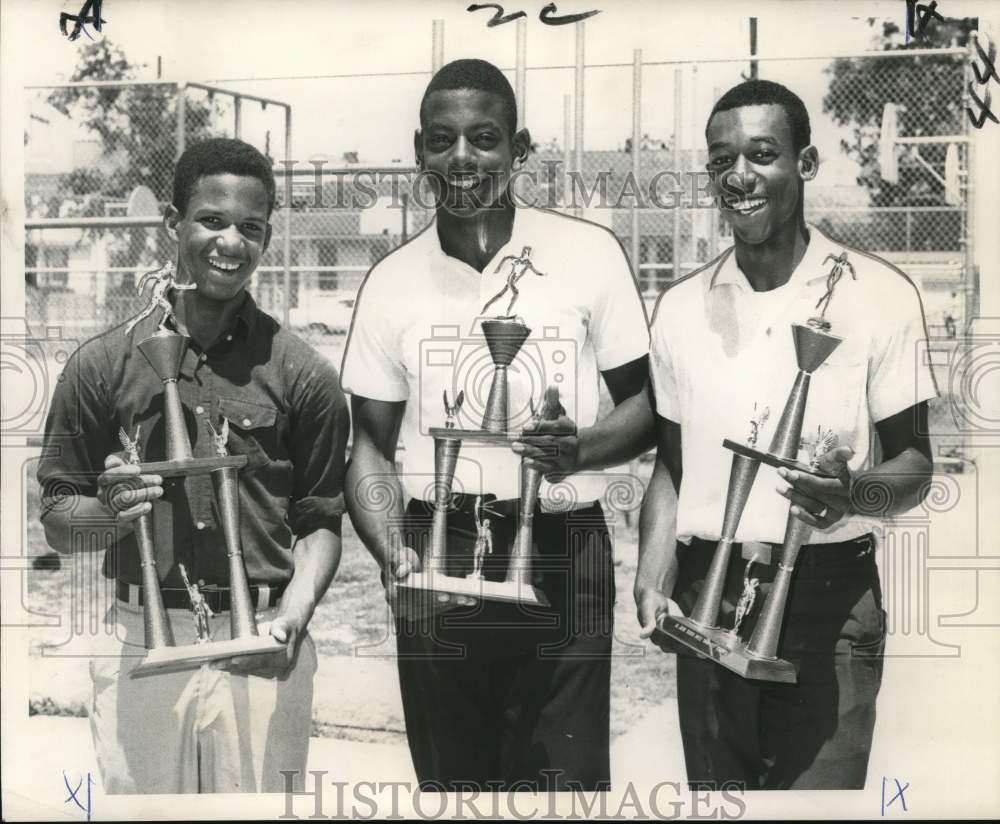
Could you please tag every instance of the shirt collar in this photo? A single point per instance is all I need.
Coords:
(813, 266)
(247, 314)
(246, 317)
(519, 238)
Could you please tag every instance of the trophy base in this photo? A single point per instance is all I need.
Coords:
(724, 648)
(773, 460)
(190, 656)
(192, 466)
(506, 591)
(485, 436)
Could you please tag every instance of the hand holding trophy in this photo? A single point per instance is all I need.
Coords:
(504, 335)
(701, 631)
(164, 351)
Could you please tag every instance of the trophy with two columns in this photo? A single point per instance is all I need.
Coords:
(701, 632)
(504, 334)
(164, 351)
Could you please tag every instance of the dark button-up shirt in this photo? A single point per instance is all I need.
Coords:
(286, 413)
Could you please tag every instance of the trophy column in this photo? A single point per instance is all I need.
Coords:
(157, 627)
(519, 572)
(164, 352)
(741, 478)
(764, 641)
(504, 337)
(445, 460)
(812, 348)
(242, 620)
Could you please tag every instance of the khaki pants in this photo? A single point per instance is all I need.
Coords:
(201, 730)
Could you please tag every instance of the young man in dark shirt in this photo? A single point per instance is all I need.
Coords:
(228, 728)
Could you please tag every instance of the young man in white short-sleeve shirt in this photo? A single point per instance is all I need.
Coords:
(494, 697)
(721, 354)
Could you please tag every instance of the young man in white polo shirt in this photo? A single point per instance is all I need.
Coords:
(495, 697)
(721, 353)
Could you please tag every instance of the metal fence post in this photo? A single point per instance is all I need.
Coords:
(567, 151)
(970, 281)
(437, 44)
(238, 115)
(675, 252)
(287, 245)
(520, 69)
(713, 218)
(636, 157)
(578, 112)
(181, 119)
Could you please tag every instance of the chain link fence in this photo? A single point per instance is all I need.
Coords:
(637, 167)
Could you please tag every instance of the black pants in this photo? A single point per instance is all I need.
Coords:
(817, 733)
(499, 696)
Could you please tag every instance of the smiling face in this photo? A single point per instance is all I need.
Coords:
(466, 146)
(756, 170)
(222, 234)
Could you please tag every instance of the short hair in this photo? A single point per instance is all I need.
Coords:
(763, 93)
(473, 74)
(219, 156)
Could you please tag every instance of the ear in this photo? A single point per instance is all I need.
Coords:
(171, 217)
(808, 162)
(267, 238)
(418, 148)
(522, 146)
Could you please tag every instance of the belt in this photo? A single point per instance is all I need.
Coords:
(853, 549)
(508, 507)
(263, 596)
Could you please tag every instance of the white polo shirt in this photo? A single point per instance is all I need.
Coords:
(718, 347)
(416, 334)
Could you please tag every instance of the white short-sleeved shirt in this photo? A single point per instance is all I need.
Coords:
(416, 334)
(718, 348)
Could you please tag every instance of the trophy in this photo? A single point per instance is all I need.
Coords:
(504, 335)
(164, 351)
(701, 631)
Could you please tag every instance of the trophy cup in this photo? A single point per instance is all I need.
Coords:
(164, 351)
(700, 631)
(504, 335)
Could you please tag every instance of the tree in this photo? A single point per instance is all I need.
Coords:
(928, 92)
(137, 125)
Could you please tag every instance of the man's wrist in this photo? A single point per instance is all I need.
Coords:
(646, 589)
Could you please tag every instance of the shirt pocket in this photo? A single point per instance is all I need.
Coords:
(253, 431)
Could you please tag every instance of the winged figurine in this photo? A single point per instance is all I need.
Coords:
(451, 412)
(220, 437)
(131, 444)
(825, 441)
